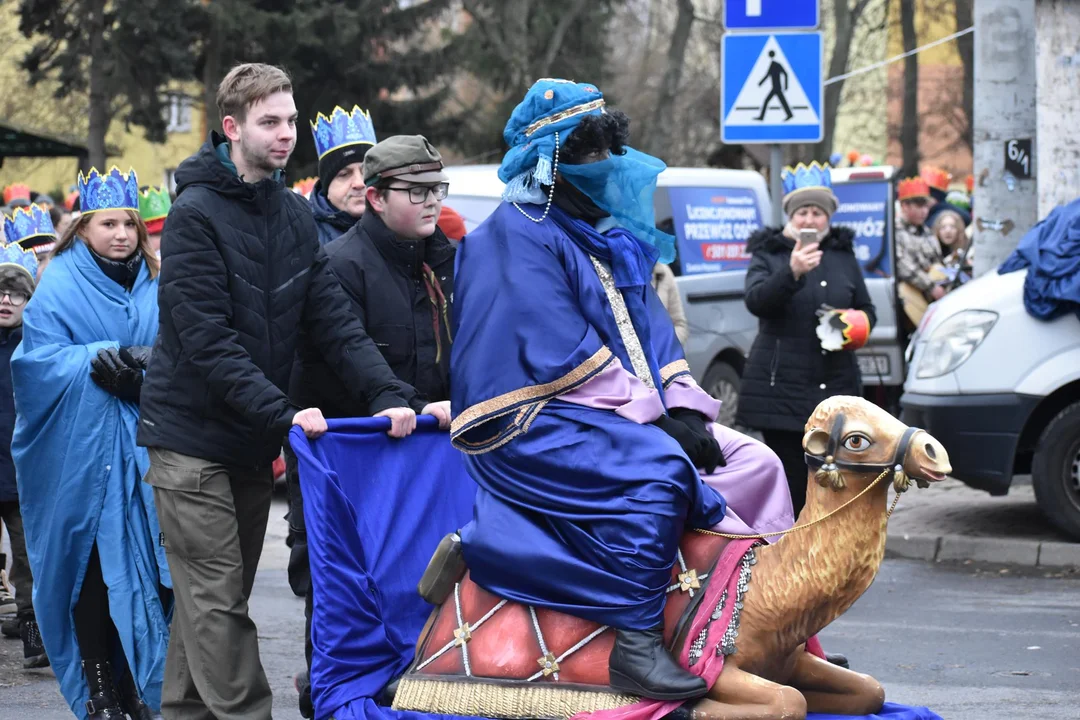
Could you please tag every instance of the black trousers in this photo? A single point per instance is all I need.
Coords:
(93, 624)
(787, 445)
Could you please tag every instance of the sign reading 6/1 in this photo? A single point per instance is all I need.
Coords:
(1018, 158)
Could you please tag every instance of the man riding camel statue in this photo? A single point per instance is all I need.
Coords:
(593, 448)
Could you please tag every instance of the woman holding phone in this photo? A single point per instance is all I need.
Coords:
(795, 272)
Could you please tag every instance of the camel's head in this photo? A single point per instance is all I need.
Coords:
(849, 434)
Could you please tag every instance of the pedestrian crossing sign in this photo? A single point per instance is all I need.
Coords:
(771, 88)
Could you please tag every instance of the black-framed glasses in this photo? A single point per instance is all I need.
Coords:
(15, 298)
(418, 193)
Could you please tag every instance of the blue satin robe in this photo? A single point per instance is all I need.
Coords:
(579, 509)
(79, 470)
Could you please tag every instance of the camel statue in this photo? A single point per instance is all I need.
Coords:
(739, 613)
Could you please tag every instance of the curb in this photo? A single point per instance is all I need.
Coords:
(1003, 551)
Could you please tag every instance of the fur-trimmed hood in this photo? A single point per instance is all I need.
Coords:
(772, 239)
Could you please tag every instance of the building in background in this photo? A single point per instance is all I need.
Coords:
(34, 109)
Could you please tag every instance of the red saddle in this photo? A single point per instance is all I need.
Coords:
(479, 653)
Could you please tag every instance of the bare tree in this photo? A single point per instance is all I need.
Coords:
(659, 138)
(845, 20)
(965, 18)
(909, 131)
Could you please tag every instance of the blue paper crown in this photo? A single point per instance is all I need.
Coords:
(15, 255)
(341, 129)
(804, 177)
(28, 222)
(114, 191)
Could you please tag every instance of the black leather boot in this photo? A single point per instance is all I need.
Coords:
(640, 665)
(103, 704)
(131, 701)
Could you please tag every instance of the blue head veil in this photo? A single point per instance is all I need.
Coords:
(623, 185)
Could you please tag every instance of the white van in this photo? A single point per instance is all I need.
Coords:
(1001, 391)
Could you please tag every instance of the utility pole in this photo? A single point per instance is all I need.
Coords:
(1057, 61)
(1005, 110)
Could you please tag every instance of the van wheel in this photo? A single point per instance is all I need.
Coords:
(723, 383)
(1055, 471)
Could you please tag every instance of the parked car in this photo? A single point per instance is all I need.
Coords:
(712, 212)
(1001, 391)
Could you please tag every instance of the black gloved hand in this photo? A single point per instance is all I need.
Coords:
(710, 456)
(692, 433)
(136, 356)
(116, 377)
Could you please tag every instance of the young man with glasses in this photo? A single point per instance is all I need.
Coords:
(397, 268)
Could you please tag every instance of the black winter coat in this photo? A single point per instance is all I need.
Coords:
(239, 277)
(383, 278)
(787, 373)
(9, 340)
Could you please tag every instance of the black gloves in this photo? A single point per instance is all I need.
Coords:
(113, 374)
(691, 431)
(136, 356)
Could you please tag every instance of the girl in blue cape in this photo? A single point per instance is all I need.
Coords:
(574, 403)
(101, 581)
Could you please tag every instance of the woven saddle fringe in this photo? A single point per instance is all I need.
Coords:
(501, 700)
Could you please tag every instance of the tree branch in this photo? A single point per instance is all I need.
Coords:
(556, 41)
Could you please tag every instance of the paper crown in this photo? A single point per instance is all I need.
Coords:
(113, 191)
(912, 188)
(305, 186)
(341, 129)
(154, 203)
(14, 255)
(936, 178)
(16, 191)
(32, 221)
(804, 177)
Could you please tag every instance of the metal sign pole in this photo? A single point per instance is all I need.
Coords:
(776, 189)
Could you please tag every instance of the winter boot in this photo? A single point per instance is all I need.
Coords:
(103, 703)
(130, 700)
(11, 627)
(33, 648)
(641, 665)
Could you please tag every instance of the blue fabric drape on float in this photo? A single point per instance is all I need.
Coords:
(891, 711)
(375, 508)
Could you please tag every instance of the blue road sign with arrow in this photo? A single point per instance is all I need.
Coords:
(771, 90)
(771, 14)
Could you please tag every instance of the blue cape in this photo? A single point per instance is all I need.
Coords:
(1051, 251)
(80, 472)
(370, 536)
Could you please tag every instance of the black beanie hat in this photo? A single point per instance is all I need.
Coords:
(333, 161)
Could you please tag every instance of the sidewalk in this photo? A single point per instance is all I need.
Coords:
(951, 522)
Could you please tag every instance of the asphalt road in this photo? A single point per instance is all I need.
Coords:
(970, 642)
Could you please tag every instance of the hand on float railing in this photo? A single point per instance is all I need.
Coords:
(440, 410)
(402, 421)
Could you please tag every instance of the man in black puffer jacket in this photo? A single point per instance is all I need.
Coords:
(240, 277)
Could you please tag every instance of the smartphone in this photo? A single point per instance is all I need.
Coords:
(808, 237)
